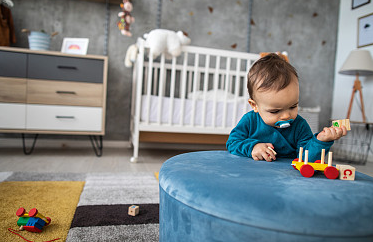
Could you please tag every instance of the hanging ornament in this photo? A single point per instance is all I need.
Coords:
(125, 18)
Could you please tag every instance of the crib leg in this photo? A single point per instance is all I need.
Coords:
(135, 156)
(135, 144)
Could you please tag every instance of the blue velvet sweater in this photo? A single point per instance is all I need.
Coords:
(252, 130)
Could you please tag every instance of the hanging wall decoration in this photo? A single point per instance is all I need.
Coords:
(125, 18)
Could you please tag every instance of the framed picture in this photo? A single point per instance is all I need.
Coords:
(78, 46)
(359, 3)
(365, 31)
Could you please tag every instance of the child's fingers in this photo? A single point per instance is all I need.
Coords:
(266, 156)
(344, 130)
(262, 155)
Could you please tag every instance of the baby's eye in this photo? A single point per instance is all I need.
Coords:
(274, 111)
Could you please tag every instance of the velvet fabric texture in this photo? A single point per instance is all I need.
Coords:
(217, 196)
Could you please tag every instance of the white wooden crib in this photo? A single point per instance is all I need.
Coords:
(197, 97)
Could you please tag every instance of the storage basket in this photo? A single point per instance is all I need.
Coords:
(355, 146)
(39, 40)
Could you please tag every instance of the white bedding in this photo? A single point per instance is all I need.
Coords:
(188, 107)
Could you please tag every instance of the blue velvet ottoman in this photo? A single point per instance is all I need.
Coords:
(217, 196)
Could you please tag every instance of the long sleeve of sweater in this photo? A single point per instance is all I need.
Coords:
(252, 130)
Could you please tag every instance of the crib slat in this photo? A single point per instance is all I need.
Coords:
(195, 82)
(237, 86)
(216, 79)
(149, 88)
(172, 91)
(160, 90)
(226, 88)
(183, 88)
(205, 86)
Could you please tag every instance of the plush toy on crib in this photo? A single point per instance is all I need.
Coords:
(166, 41)
(125, 18)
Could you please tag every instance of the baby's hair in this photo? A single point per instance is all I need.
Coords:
(270, 72)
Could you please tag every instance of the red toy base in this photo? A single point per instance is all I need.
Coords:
(32, 229)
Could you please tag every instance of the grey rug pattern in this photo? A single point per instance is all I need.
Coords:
(119, 188)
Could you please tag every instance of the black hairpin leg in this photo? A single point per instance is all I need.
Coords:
(25, 151)
(96, 144)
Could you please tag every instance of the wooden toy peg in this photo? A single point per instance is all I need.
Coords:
(133, 210)
(322, 156)
(300, 154)
(306, 157)
(330, 157)
(346, 172)
(274, 152)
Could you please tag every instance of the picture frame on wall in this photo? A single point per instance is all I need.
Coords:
(365, 31)
(77, 46)
(359, 3)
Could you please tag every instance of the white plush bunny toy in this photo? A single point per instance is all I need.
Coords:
(166, 41)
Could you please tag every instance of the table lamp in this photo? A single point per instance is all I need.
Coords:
(358, 63)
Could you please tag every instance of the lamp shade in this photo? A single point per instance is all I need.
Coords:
(358, 62)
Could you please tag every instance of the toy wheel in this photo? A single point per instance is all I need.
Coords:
(307, 170)
(33, 212)
(331, 172)
(20, 212)
(49, 220)
(318, 161)
(294, 166)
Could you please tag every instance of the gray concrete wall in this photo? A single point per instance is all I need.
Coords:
(307, 30)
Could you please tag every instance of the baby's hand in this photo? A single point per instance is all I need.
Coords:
(332, 133)
(263, 151)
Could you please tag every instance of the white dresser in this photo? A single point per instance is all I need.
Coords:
(45, 92)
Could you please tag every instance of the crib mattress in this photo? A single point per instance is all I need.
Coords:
(242, 107)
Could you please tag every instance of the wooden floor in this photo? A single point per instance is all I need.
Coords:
(84, 160)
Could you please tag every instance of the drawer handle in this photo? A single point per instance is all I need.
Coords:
(65, 117)
(65, 92)
(67, 67)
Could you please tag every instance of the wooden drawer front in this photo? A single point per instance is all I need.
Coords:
(65, 68)
(13, 64)
(12, 116)
(64, 93)
(63, 118)
(12, 90)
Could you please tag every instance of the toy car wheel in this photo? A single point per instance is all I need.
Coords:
(331, 172)
(307, 170)
(294, 166)
(49, 220)
(20, 212)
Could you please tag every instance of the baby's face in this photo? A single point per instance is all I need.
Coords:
(276, 106)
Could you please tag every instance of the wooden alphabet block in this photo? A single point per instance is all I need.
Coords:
(340, 122)
(346, 172)
(133, 210)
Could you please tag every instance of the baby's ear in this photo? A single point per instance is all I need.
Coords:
(253, 105)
